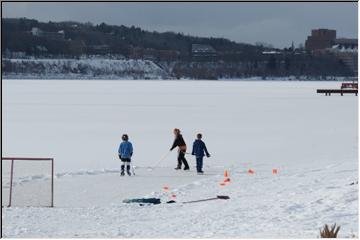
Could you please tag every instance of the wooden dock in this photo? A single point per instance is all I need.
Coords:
(328, 92)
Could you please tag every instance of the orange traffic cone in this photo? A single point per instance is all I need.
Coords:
(226, 174)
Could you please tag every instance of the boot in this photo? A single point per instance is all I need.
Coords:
(122, 173)
(128, 170)
(179, 165)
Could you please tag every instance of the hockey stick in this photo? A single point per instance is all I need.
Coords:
(209, 199)
(195, 155)
(158, 201)
(157, 164)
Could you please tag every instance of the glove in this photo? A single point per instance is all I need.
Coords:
(208, 155)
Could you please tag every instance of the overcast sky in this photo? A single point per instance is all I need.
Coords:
(276, 23)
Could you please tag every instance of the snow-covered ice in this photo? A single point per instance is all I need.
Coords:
(310, 138)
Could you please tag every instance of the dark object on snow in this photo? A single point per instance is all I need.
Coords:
(353, 183)
(341, 91)
(155, 201)
(209, 199)
(203, 200)
(143, 200)
(329, 233)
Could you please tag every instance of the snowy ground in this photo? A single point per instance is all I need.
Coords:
(311, 139)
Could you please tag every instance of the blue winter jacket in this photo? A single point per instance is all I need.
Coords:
(125, 149)
(199, 148)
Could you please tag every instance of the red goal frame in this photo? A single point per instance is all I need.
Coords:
(12, 159)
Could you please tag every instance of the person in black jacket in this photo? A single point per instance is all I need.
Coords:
(179, 142)
(199, 148)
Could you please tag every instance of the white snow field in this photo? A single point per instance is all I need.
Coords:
(310, 138)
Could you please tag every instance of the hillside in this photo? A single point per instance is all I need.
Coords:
(175, 55)
(82, 69)
(86, 38)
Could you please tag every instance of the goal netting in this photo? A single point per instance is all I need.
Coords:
(27, 182)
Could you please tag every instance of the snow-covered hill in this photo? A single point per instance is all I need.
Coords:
(91, 68)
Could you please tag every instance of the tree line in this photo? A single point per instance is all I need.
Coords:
(232, 59)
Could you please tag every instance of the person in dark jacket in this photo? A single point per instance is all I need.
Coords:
(125, 153)
(198, 150)
(180, 143)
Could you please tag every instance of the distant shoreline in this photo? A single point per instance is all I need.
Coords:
(136, 69)
(29, 78)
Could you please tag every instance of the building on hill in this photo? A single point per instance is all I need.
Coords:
(346, 50)
(203, 51)
(320, 39)
(60, 35)
(349, 44)
(324, 41)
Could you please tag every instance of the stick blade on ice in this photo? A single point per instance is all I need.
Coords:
(223, 197)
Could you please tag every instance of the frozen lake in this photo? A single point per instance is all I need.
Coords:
(80, 123)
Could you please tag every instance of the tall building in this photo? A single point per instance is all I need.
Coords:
(320, 39)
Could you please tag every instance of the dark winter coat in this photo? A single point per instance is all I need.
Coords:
(179, 142)
(199, 148)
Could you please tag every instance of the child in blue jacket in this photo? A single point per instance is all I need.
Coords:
(199, 148)
(125, 153)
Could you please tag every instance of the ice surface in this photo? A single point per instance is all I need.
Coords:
(310, 138)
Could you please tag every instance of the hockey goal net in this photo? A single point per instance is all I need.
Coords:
(27, 182)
